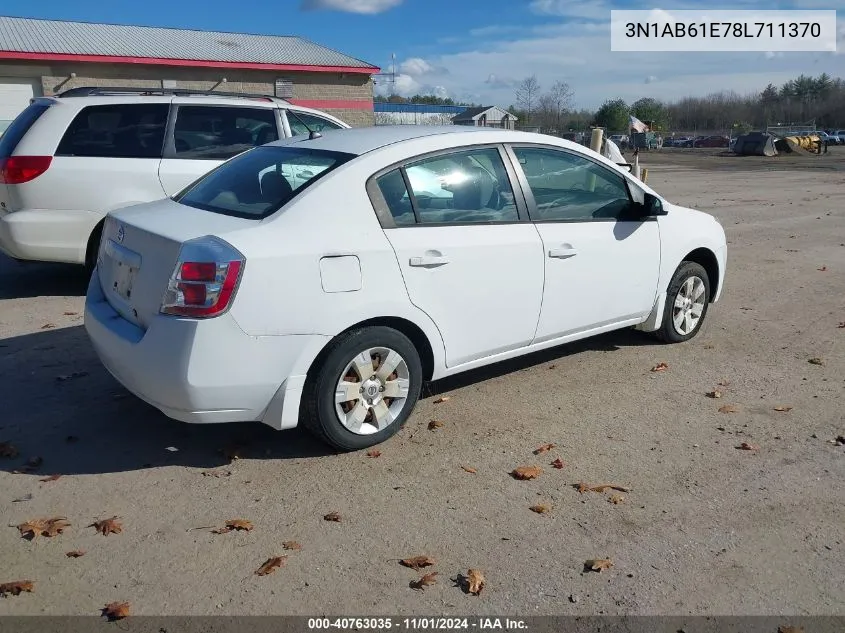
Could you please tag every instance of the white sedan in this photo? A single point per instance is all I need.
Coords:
(396, 255)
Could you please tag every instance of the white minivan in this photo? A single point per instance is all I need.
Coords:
(66, 161)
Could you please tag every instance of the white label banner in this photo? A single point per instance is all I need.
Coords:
(722, 31)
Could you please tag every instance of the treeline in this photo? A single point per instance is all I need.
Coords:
(425, 99)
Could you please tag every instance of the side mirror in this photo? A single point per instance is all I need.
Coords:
(652, 206)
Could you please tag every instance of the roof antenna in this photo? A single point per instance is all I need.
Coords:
(312, 134)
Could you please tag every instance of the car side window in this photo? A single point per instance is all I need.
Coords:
(570, 187)
(116, 131)
(219, 132)
(300, 122)
(464, 187)
(395, 194)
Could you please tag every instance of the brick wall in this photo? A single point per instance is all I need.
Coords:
(308, 87)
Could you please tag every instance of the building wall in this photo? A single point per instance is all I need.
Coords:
(347, 96)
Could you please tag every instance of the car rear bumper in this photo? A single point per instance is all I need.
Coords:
(199, 371)
(47, 235)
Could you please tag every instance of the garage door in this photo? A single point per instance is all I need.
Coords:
(15, 94)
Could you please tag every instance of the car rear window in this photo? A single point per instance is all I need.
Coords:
(116, 131)
(13, 134)
(259, 182)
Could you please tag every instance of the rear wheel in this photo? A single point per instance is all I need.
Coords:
(364, 389)
(93, 248)
(687, 299)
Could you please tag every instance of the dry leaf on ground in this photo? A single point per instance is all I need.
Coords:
(108, 526)
(816, 361)
(77, 553)
(50, 478)
(526, 472)
(442, 399)
(714, 394)
(417, 562)
(822, 269)
(48, 326)
(469, 469)
(217, 474)
(598, 564)
(71, 313)
(545, 448)
(558, 463)
(8, 450)
(660, 367)
(603, 487)
(729, 408)
(745, 446)
(434, 425)
(790, 629)
(373, 452)
(271, 565)
(784, 408)
(332, 516)
(292, 545)
(616, 499)
(541, 508)
(16, 587)
(425, 581)
(43, 527)
(475, 581)
(235, 524)
(116, 610)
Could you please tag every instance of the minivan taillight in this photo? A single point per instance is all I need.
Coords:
(205, 279)
(16, 170)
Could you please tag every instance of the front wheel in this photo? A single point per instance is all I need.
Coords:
(364, 389)
(687, 299)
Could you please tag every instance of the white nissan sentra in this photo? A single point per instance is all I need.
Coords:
(323, 280)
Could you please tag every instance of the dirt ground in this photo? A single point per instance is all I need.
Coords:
(706, 528)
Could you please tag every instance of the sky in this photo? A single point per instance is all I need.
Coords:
(479, 50)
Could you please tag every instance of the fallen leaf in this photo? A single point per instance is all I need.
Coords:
(425, 581)
(790, 629)
(43, 527)
(558, 463)
(48, 326)
(76, 374)
(417, 562)
(745, 446)
(107, 526)
(16, 587)
(545, 448)
(816, 361)
(581, 487)
(234, 525)
(442, 399)
(783, 407)
(660, 367)
(714, 394)
(603, 487)
(616, 499)
(469, 469)
(541, 508)
(526, 472)
(598, 564)
(332, 516)
(729, 408)
(116, 610)
(217, 473)
(292, 546)
(434, 425)
(50, 478)
(822, 269)
(71, 313)
(373, 453)
(271, 565)
(475, 581)
(8, 450)
(77, 553)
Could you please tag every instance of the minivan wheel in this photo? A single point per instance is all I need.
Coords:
(364, 389)
(687, 299)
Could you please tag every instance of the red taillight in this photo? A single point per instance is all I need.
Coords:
(16, 170)
(198, 271)
(202, 289)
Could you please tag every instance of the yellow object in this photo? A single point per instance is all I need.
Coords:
(645, 174)
(804, 142)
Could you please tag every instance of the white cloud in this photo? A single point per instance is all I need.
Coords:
(650, 79)
(595, 10)
(416, 66)
(367, 7)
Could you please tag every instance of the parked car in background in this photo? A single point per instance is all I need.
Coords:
(712, 141)
(621, 140)
(839, 135)
(330, 299)
(66, 161)
(678, 141)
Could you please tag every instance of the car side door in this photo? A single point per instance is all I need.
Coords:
(468, 255)
(602, 258)
(200, 137)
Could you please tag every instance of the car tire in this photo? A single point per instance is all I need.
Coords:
(679, 322)
(334, 422)
(93, 249)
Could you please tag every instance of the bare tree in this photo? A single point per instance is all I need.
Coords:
(560, 100)
(527, 94)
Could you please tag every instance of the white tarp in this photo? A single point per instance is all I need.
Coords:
(611, 151)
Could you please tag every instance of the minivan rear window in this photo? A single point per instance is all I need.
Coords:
(116, 131)
(259, 182)
(13, 134)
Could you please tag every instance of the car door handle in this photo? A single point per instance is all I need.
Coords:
(564, 252)
(429, 261)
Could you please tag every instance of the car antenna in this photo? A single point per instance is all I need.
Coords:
(312, 134)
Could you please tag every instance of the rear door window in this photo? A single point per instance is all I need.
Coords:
(116, 131)
(220, 132)
(13, 134)
(302, 123)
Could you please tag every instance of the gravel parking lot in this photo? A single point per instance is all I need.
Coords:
(705, 527)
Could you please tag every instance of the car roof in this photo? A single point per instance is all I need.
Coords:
(81, 101)
(366, 139)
